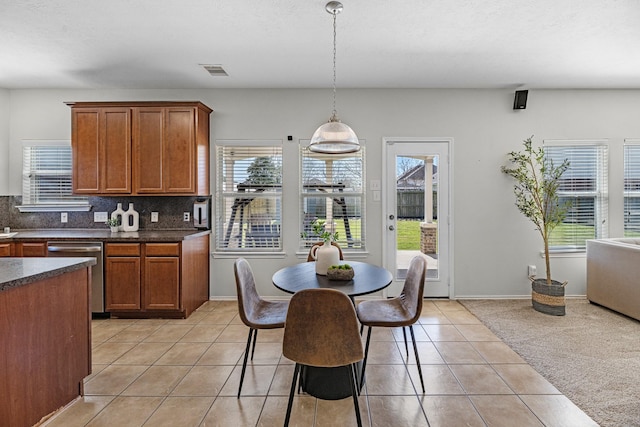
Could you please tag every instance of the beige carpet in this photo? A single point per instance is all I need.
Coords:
(592, 355)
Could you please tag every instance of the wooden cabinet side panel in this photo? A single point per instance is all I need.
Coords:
(179, 147)
(148, 124)
(195, 273)
(202, 153)
(45, 331)
(122, 283)
(162, 283)
(85, 149)
(116, 161)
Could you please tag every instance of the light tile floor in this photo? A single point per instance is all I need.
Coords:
(186, 372)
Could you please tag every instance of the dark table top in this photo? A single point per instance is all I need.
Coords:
(367, 279)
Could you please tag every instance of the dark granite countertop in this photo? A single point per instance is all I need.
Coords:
(15, 272)
(106, 235)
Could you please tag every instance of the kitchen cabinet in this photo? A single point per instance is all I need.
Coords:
(168, 279)
(101, 150)
(162, 276)
(122, 276)
(140, 148)
(5, 249)
(30, 249)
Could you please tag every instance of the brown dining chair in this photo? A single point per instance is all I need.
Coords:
(321, 330)
(310, 258)
(401, 311)
(255, 312)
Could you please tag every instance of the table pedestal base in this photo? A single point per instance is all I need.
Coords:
(328, 383)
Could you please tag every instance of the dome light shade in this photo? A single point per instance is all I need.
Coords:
(334, 137)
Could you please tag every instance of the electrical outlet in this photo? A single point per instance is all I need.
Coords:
(99, 217)
(532, 270)
(63, 217)
(154, 216)
(187, 216)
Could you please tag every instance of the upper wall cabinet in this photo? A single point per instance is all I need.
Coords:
(155, 148)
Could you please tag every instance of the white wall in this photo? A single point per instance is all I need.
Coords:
(4, 141)
(493, 243)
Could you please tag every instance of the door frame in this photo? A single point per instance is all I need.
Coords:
(449, 221)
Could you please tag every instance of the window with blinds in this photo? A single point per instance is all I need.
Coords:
(249, 195)
(46, 177)
(585, 187)
(632, 188)
(332, 189)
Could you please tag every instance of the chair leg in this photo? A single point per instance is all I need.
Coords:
(293, 389)
(246, 356)
(406, 346)
(253, 349)
(366, 353)
(355, 393)
(415, 350)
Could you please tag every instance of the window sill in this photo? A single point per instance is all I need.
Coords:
(54, 208)
(567, 253)
(248, 254)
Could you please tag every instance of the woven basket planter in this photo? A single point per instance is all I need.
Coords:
(548, 299)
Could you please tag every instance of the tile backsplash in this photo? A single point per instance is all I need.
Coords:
(170, 213)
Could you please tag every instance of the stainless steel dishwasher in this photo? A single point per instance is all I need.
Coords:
(82, 249)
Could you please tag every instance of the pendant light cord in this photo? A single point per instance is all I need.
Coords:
(335, 113)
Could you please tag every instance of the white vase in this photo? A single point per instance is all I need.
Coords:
(325, 256)
(130, 219)
(117, 214)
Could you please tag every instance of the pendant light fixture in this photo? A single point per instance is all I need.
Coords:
(334, 137)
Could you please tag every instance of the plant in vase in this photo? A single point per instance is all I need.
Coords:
(113, 223)
(326, 254)
(537, 180)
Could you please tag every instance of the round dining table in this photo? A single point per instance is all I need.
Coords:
(367, 279)
(330, 383)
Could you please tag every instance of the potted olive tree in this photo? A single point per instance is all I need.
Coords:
(537, 180)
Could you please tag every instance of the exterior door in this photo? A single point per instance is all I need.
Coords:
(416, 210)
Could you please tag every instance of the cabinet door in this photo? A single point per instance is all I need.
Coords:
(31, 249)
(101, 150)
(148, 125)
(122, 283)
(5, 249)
(116, 151)
(179, 164)
(162, 283)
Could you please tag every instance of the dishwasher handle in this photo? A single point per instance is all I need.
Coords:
(74, 249)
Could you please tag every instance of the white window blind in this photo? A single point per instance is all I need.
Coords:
(249, 195)
(332, 188)
(585, 186)
(46, 176)
(632, 188)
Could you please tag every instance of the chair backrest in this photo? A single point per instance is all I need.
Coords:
(413, 289)
(248, 298)
(313, 248)
(322, 329)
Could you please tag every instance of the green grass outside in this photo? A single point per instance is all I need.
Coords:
(408, 235)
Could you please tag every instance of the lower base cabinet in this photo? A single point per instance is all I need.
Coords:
(156, 279)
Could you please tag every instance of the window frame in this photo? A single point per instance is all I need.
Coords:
(354, 200)
(628, 143)
(30, 187)
(600, 193)
(248, 192)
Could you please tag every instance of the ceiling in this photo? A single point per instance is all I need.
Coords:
(156, 44)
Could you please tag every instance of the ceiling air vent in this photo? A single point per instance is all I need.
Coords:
(215, 70)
